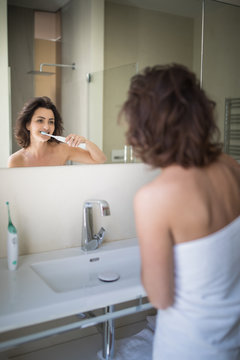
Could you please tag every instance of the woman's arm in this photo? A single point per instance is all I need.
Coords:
(156, 247)
(92, 154)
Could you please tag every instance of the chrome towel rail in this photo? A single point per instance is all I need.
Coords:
(108, 316)
(232, 127)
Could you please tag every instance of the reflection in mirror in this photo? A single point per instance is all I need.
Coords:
(116, 83)
(38, 131)
(221, 70)
(142, 36)
(117, 33)
(232, 127)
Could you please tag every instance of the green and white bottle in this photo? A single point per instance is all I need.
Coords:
(12, 243)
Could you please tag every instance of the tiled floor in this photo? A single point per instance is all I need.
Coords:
(85, 348)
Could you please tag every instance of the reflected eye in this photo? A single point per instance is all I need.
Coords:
(51, 122)
(39, 120)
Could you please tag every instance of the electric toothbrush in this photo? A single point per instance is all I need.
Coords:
(12, 243)
(63, 139)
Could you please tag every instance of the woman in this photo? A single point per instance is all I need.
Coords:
(188, 218)
(40, 115)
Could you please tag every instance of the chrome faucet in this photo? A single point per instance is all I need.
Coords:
(90, 241)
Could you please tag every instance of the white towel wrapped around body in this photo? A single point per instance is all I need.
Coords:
(204, 322)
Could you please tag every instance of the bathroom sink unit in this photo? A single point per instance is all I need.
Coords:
(53, 285)
(92, 270)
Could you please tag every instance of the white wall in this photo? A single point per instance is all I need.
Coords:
(146, 36)
(82, 43)
(46, 203)
(4, 88)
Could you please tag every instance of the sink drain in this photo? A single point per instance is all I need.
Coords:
(108, 276)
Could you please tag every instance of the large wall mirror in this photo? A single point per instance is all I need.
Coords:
(108, 42)
(221, 72)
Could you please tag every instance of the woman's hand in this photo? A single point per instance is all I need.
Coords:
(75, 140)
(91, 155)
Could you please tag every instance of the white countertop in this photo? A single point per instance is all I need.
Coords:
(25, 299)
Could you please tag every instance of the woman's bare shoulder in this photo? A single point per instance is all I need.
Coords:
(16, 159)
(229, 161)
(159, 190)
(59, 148)
(168, 190)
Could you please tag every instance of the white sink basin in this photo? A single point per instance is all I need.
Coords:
(81, 272)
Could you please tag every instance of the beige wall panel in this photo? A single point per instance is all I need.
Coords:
(46, 52)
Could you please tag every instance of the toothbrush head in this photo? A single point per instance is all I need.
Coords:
(44, 133)
(7, 203)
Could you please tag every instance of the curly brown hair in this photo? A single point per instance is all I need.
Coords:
(170, 118)
(22, 133)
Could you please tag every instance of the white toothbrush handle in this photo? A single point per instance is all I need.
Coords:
(59, 138)
(63, 139)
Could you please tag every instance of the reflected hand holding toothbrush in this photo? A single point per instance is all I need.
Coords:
(72, 140)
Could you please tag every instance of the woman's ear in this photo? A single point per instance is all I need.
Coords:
(28, 126)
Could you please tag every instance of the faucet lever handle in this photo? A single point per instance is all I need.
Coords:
(100, 235)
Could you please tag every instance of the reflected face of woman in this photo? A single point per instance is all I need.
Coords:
(42, 120)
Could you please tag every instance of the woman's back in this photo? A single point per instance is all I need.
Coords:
(201, 200)
(204, 321)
